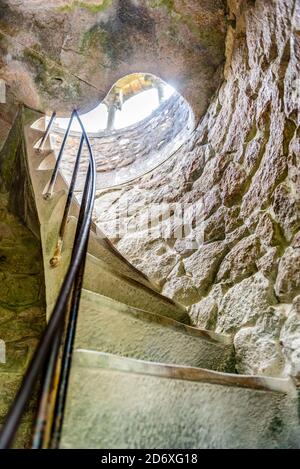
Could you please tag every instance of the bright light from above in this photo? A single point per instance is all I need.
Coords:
(134, 110)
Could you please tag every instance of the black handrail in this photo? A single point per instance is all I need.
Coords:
(57, 253)
(62, 386)
(48, 194)
(70, 330)
(56, 322)
(42, 433)
(48, 418)
(40, 148)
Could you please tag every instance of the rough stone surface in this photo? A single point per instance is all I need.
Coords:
(22, 312)
(240, 263)
(95, 43)
(22, 309)
(287, 284)
(8, 111)
(290, 340)
(244, 303)
(258, 347)
(205, 313)
(237, 178)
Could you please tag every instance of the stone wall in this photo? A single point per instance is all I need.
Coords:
(22, 298)
(61, 54)
(241, 169)
(8, 112)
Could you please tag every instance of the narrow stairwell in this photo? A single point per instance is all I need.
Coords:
(140, 376)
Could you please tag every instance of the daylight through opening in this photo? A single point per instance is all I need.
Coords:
(131, 99)
(141, 122)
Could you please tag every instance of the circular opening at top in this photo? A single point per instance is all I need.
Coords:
(131, 99)
(140, 124)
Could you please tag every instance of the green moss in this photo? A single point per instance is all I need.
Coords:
(93, 37)
(39, 62)
(49, 77)
(96, 8)
(8, 156)
(209, 37)
(251, 134)
(288, 133)
(169, 4)
(101, 36)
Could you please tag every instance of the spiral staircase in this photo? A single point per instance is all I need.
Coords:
(122, 367)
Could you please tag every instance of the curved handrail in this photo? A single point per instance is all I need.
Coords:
(57, 318)
(58, 249)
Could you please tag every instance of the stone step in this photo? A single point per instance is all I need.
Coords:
(110, 277)
(39, 124)
(101, 248)
(116, 402)
(109, 326)
(99, 278)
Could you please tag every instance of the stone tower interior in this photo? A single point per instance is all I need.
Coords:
(190, 297)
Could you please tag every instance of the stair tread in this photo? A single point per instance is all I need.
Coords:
(111, 326)
(99, 278)
(97, 360)
(161, 319)
(116, 402)
(101, 248)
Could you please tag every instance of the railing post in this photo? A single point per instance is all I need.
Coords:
(40, 148)
(48, 194)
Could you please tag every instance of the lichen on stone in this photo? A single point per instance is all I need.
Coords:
(97, 7)
(49, 77)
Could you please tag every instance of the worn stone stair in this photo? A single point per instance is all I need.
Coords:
(141, 377)
(135, 404)
(109, 326)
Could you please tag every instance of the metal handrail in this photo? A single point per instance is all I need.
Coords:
(40, 148)
(54, 261)
(57, 319)
(49, 192)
